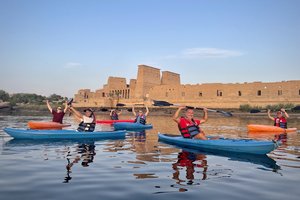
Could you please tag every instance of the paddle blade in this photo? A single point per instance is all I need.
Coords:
(227, 114)
(70, 102)
(254, 111)
(161, 103)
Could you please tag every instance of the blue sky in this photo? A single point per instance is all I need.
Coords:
(61, 46)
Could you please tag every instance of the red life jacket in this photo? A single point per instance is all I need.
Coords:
(187, 128)
(280, 122)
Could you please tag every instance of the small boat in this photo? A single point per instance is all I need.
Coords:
(114, 121)
(42, 125)
(62, 134)
(256, 128)
(131, 126)
(222, 145)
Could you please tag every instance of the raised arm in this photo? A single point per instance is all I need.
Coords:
(133, 112)
(176, 115)
(111, 111)
(147, 111)
(66, 106)
(285, 113)
(77, 114)
(49, 107)
(269, 115)
(120, 112)
(205, 117)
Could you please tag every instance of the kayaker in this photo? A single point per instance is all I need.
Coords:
(280, 119)
(140, 117)
(87, 121)
(188, 126)
(114, 115)
(58, 114)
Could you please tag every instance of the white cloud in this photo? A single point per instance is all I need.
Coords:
(204, 53)
(71, 65)
(209, 53)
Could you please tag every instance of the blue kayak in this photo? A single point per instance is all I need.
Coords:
(62, 134)
(226, 145)
(131, 126)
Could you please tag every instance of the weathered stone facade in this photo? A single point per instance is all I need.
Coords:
(152, 84)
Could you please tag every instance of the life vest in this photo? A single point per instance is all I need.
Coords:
(280, 122)
(114, 116)
(86, 127)
(187, 128)
(140, 119)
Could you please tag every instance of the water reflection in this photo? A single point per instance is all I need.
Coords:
(85, 153)
(189, 161)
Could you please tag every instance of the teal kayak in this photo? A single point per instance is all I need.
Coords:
(222, 144)
(62, 134)
(131, 126)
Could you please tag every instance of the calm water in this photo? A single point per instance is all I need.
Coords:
(140, 167)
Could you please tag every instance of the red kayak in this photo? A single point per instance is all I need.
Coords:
(40, 125)
(114, 121)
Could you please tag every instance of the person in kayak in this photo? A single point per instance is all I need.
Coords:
(188, 126)
(140, 117)
(87, 121)
(58, 114)
(114, 115)
(280, 119)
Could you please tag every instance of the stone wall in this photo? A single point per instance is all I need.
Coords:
(151, 85)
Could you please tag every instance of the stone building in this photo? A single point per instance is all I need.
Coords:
(152, 84)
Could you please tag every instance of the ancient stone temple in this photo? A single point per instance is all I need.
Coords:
(152, 84)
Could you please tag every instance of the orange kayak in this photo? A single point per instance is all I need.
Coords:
(270, 129)
(40, 125)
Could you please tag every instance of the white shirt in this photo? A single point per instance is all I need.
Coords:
(86, 119)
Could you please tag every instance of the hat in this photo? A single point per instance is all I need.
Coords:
(88, 109)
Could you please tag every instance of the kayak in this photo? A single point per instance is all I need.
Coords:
(271, 129)
(225, 145)
(114, 121)
(61, 134)
(41, 125)
(131, 126)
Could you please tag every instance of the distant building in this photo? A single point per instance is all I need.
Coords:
(152, 84)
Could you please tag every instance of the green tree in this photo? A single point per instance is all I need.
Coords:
(4, 96)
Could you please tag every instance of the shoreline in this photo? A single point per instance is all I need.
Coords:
(160, 111)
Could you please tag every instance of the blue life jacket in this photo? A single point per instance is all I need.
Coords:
(114, 116)
(140, 119)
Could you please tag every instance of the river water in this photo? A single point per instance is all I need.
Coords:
(140, 167)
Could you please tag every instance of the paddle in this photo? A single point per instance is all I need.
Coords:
(69, 103)
(165, 103)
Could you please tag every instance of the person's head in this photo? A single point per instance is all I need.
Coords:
(88, 112)
(279, 113)
(140, 112)
(189, 113)
(58, 109)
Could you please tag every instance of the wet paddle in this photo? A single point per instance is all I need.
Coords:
(165, 103)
